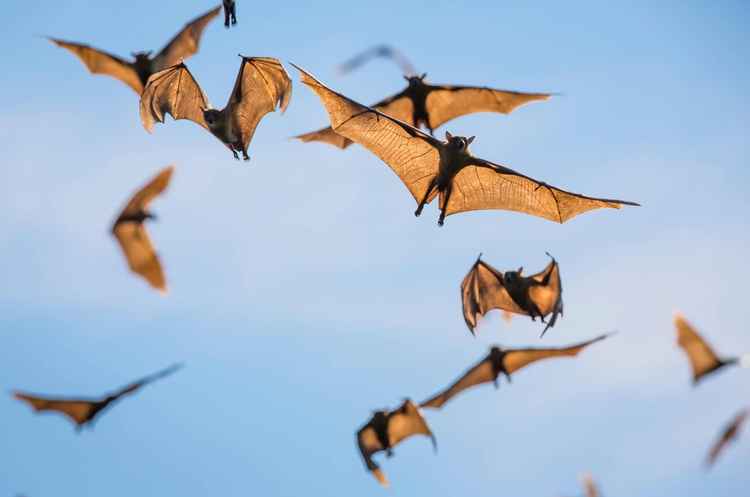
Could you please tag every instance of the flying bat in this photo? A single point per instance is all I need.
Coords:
(728, 435)
(132, 236)
(484, 288)
(135, 73)
(230, 12)
(590, 488)
(386, 429)
(505, 361)
(383, 51)
(430, 167)
(261, 87)
(703, 360)
(84, 412)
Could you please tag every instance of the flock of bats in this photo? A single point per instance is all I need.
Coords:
(429, 168)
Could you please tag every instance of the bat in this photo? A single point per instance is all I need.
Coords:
(261, 87)
(386, 429)
(132, 236)
(505, 361)
(135, 73)
(84, 412)
(728, 435)
(484, 288)
(590, 488)
(230, 11)
(703, 360)
(384, 51)
(430, 167)
(424, 105)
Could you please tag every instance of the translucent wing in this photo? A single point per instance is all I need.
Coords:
(482, 290)
(78, 411)
(172, 91)
(384, 51)
(407, 421)
(368, 444)
(140, 254)
(519, 358)
(730, 432)
(477, 375)
(703, 359)
(186, 42)
(548, 297)
(143, 197)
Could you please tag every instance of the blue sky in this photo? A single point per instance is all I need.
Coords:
(304, 294)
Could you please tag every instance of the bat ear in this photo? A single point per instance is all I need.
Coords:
(471, 139)
(424, 75)
(448, 136)
(405, 77)
(520, 270)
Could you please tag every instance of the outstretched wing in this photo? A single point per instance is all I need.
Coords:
(384, 51)
(173, 91)
(519, 358)
(186, 42)
(703, 359)
(413, 155)
(484, 185)
(730, 432)
(368, 444)
(407, 421)
(445, 103)
(143, 197)
(548, 296)
(262, 86)
(140, 253)
(136, 385)
(99, 62)
(477, 375)
(78, 411)
(482, 290)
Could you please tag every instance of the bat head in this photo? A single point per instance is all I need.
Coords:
(142, 56)
(460, 143)
(510, 278)
(211, 116)
(416, 80)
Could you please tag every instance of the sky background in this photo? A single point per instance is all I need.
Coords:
(304, 293)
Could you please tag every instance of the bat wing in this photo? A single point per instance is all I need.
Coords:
(482, 290)
(173, 91)
(703, 359)
(730, 432)
(99, 62)
(262, 86)
(147, 193)
(384, 51)
(589, 486)
(407, 421)
(413, 155)
(548, 297)
(477, 375)
(485, 185)
(445, 103)
(140, 254)
(78, 411)
(186, 42)
(137, 385)
(368, 444)
(519, 358)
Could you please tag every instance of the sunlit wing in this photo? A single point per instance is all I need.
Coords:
(407, 421)
(482, 290)
(78, 411)
(186, 42)
(702, 358)
(730, 432)
(548, 298)
(140, 254)
(148, 192)
(172, 91)
(100, 62)
(477, 375)
(518, 358)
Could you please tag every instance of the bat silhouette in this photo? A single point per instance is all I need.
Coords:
(703, 360)
(135, 73)
(383, 51)
(429, 167)
(230, 12)
(83, 412)
(485, 288)
(424, 105)
(132, 236)
(261, 87)
(505, 361)
(728, 435)
(386, 429)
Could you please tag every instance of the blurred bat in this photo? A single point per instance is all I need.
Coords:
(261, 87)
(135, 74)
(502, 361)
(230, 11)
(485, 288)
(132, 235)
(83, 412)
(703, 360)
(386, 429)
(730, 433)
(589, 487)
(429, 167)
(384, 51)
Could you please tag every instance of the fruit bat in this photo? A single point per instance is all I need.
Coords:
(589, 487)
(703, 360)
(84, 412)
(261, 87)
(386, 429)
(384, 51)
(728, 435)
(132, 235)
(135, 73)
(485, 288)
(230, 11)
(430, 167)
(505, 361)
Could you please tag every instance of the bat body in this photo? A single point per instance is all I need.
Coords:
(135, 73)
(703, 360)
(502, 361)
(230, 12)
(430, 168)
(386, 429)
(383, 51)
(728, 435)
(262, 86)
(131, 234)
(83, 412)
(484, 288)
(424, 105)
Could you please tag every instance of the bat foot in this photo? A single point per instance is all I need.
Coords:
(418, 212)
(245, 157)
(236, 157)
(441, 221)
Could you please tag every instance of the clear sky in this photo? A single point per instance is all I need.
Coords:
(304, 293)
